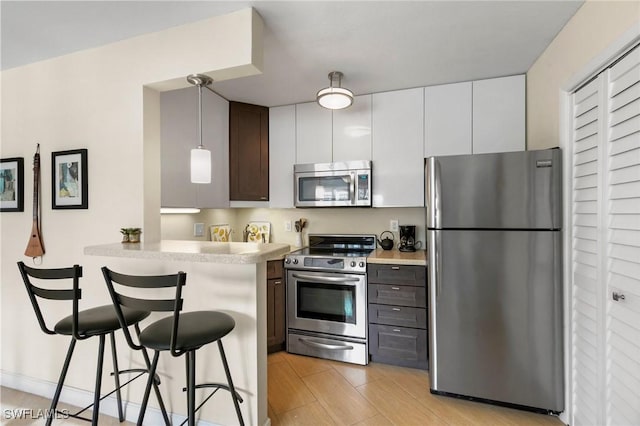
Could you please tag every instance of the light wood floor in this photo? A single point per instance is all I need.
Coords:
(311, 391)
(315, 392)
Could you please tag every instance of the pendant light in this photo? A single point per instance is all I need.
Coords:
(200, 157)
(334, 96)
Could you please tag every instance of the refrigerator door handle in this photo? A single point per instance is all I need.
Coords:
(434, 241)
(433, 189)
(438, 258)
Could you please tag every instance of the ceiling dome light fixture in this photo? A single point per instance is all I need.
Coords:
(335, 97)
(200, 157)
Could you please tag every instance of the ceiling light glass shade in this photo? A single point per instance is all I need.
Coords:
(200, 165)
(335, 97)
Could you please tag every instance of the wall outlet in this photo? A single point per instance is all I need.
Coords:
(393, 225)
(287, 225)
(198, 229)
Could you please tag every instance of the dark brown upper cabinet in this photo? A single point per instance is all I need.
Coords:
(248, 152)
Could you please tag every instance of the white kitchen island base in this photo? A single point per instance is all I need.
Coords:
(227, 277)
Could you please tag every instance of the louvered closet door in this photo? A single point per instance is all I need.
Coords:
(606, 247)
(587, 300)
(623, 242)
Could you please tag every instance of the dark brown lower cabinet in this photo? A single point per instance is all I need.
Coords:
(275, 306)
(398, 315)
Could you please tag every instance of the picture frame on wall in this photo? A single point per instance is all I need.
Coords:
(69, 179)
(12, 184)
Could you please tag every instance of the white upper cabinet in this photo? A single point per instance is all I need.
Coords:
(179, 134)
(447, 119)
(352, 131)
(313, 134)
(499, 114)
(282, 155)
(398, 148)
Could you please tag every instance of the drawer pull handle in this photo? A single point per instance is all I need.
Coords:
(397, 330)
(278, 282)
(395, 309)
(395, 268)
(395, 288)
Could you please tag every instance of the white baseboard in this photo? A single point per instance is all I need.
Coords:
(81, 398)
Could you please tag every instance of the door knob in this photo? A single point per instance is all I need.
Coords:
(618, 296)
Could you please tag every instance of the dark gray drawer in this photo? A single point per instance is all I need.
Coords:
(398, 346)
(398, 315)
(397, 295)
(397, 274)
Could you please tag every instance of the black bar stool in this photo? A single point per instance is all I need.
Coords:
(81, 325)
(180, 333)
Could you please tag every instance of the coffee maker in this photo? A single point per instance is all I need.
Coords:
(407, 238)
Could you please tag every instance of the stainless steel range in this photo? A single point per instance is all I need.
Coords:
(327, 298)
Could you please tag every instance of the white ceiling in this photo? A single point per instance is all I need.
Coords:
(379, 46)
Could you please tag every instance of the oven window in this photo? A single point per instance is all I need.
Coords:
(329, 188)
(327, 302)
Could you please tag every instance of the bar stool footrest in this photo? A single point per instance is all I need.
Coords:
(216, 386)
(156, 377)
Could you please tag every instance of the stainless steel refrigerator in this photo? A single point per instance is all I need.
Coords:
(495, 277)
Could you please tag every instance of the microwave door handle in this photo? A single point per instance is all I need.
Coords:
(352, 187)
(325, 279)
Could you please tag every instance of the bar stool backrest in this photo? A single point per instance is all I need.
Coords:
(74, 293)
(148, 282)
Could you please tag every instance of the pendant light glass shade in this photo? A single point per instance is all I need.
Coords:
(200, 165)
(200, 157)
(335, 97)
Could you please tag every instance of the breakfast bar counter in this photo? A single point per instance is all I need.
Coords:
(192, 251)
(226, 277)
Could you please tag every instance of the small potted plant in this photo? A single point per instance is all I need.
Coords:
(130, 235)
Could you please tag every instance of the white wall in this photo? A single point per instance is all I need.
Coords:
(106, 100)
(593, 28)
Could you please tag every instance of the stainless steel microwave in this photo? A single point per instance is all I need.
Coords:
(340, 184)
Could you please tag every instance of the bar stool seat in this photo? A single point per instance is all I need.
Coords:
(195, 330)
(99, 320)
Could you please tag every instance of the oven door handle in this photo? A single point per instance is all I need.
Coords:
(320, 345)
(317, 278)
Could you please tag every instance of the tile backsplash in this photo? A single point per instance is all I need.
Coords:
(320, 221)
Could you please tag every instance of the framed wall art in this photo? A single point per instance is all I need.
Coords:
(12, 185)
(69, 180)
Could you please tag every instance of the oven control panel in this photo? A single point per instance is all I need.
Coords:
(319, 263)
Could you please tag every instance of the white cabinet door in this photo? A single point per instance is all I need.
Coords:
(499, 114)
(282, 155)
(447, 119)
(398, 148)
(179, 134)
(352, 131)
(313, 133)
(215, 137)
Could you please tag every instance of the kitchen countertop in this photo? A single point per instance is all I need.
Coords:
(193, 251)
(396, 257)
